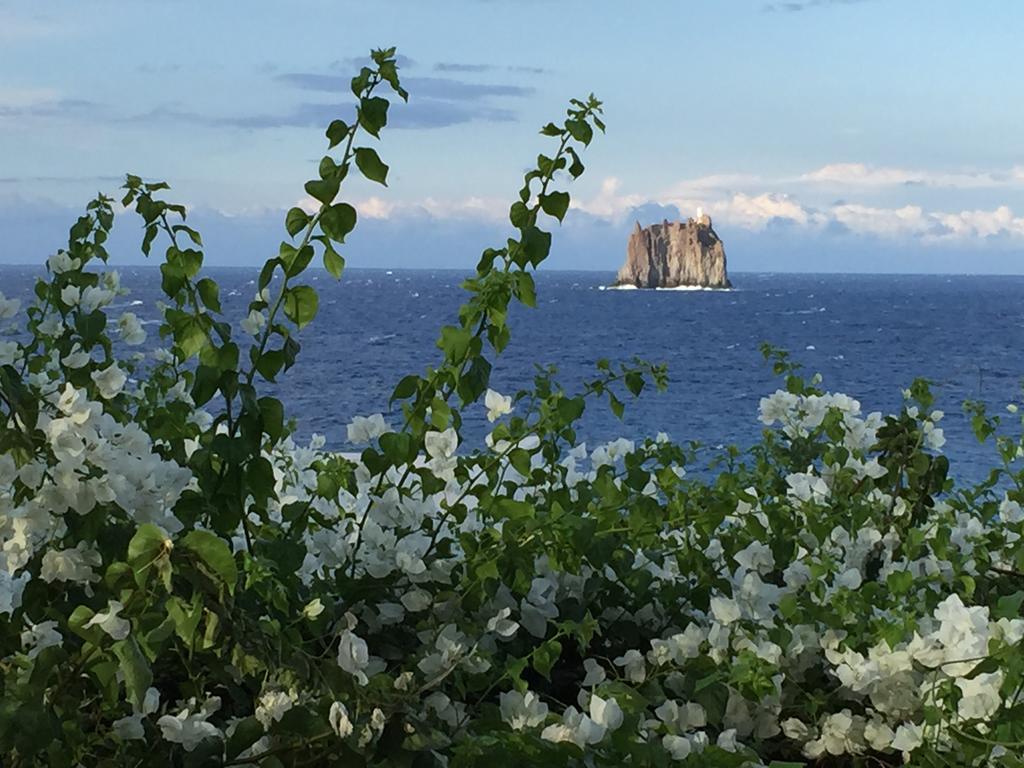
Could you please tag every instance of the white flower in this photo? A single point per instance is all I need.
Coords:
(727, 740)
(10, 352)
(313, 608)
(339, 720)
(8, 307)
(188, 729)
(416, 600)
(441, 445)
(51, 325)
(522, 710)
(365, 429)
(850, 578)
(273, 705)
(130, 727)
(254, 323)
(110, 622)
(70, 564)
(110, 381)
(497, 405)
(501, 624)
(576, 728)
(353, 655)
(39, 636)
(1010, 511)
(933, 436)
(909, 737)
(11, 589)
(61, 262)
(130, 328)
(594, 673)
(632, 662)
(980, 699)
(678, 747)
(681, 747)
(70, 295)
(93, 297)
(725, 610)
(605, 712)
(76, 358)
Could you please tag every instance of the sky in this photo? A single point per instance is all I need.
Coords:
(820, 135)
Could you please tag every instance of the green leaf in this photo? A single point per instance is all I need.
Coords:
(259, 479)
(900, 582)
(296, 220)
(185, 617)
(536, 245)
(373, 115)
(247, 731)
(334, 262)
(337, 132)
(580, 130)
(525, 289)
(295, 261)
(337, 221)
(406, 388)
(146, 548)
(545, 656)
(635, 382)
(555, 204)
(300, 305)
(137, 674)
(215, 553)
(576, 168)
(616, 405)
(209, 292)
(272, 412)
(454, 342)
(371, 166)
(324, 190)
(1008, 606)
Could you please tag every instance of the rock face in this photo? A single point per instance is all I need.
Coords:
(675, 254)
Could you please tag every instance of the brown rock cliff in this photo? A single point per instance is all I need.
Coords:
(674, 254)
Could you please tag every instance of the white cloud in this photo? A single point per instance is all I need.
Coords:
(375, 207)
(883, 222)
(862, 175)
(608, 203)
(755, 211)
(974, 224)
(752, 203)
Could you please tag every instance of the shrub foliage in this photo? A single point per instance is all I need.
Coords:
(183, 584)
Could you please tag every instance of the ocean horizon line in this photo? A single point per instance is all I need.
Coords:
(155, 265)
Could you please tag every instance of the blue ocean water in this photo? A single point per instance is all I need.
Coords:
(868, 335)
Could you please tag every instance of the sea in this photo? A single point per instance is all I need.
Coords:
(867, 335)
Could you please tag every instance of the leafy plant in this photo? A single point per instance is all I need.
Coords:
(182, 584)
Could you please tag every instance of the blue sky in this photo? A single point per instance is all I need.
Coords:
(821, 135)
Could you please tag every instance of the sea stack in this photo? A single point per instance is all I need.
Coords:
(675, 254)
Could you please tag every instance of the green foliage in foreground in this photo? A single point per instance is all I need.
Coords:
(182, 584)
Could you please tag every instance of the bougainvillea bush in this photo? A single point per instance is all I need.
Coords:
(181, 583)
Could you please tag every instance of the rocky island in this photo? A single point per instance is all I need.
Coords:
(675, 255)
